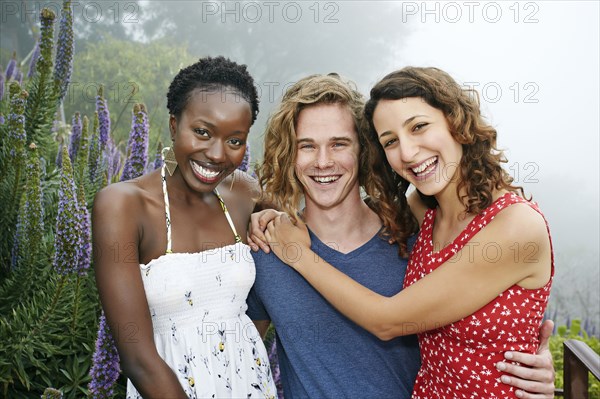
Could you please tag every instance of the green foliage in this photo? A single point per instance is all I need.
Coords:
(95, 152)
(48, 320)
(565, 333)
(18, 99)
(81, 163)
(38, 338)
(51, 393)
(68, 239)
(131, 73)
(30, 227)
(43, 96)
(11, 166)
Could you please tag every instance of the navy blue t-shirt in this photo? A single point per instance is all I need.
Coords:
(322, 354)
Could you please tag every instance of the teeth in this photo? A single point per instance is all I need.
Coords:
(206, 173)
(325, 179)
(424, 165)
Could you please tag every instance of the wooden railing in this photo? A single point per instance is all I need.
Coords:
(579, 361)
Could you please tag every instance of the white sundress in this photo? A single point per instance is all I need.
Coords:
(198, 306)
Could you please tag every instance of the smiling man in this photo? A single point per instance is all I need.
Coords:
(316, 149)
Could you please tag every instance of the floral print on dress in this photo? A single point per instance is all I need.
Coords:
(201, 329)
(198, 307)
(188, 297)
(458, 360)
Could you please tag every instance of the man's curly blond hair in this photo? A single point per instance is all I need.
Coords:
(277, 175)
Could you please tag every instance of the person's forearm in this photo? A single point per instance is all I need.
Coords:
(155, 381)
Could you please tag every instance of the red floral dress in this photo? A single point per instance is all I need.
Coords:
(458, 360)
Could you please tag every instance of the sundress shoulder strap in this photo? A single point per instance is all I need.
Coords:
(169, 250)
(228, 216)
(163, 176)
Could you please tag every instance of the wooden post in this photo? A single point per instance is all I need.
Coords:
(579, 359)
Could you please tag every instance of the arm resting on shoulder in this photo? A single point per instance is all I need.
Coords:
(456, 289)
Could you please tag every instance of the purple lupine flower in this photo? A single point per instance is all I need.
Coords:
(112, 155)
(35, 208)
(1, 119)
(68, 238)
(75, 136)
(1, 85)
(245, 165)
(42, 88)
(11, 67)
(81, 162)
(103, 118)
(158, 161)
(30, 220)
(16, 119)
(34, 59)
(274, 362)
(586, 325)
(105, 363)
(44, 63)
(95, 152)
(55, 128)
(52, 393)
(19, 76)
(20, 237)
(59, 154)
(64, 51)
(84, 254)
(137, 147)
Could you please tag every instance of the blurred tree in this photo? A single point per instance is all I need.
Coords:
(93, 21)
(131, 72)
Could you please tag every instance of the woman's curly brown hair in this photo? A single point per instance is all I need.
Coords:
(277, 175)
(480, 166)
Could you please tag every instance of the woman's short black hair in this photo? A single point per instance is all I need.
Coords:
(211, 74)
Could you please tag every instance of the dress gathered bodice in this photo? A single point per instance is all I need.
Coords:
(197, 303)
(203, 287)
(458, 360)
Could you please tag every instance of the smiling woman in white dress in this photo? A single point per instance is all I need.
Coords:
(172, 271)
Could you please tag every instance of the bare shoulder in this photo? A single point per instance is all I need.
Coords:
(521, 223)
(521, 234)
(126, 199)
(117, 197)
